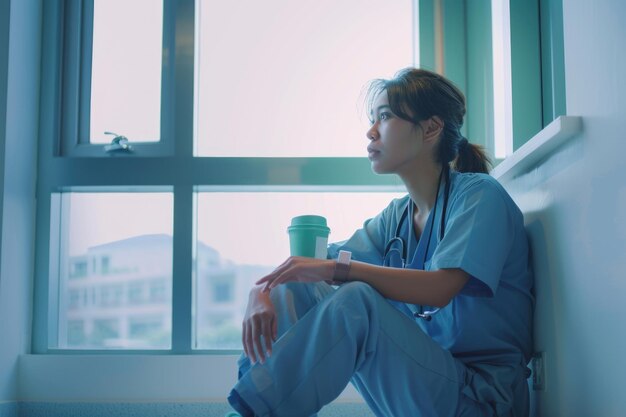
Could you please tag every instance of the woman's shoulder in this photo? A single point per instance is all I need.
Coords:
(464, 184)
(469, 181)
(400, 201)
(395, 208)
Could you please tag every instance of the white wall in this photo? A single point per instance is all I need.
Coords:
(19, 57)
(575, 207)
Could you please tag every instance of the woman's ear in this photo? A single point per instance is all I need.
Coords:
(432, 128)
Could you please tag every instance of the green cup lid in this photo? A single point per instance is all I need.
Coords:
(309, 220)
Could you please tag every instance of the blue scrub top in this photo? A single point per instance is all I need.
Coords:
(490, 320)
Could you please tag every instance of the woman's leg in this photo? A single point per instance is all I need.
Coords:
(354, 334)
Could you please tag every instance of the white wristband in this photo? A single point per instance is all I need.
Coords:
(342, 266)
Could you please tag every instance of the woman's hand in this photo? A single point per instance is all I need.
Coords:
(260, 319)
(299, 269)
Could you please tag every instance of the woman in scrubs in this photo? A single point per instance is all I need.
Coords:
(433, 309)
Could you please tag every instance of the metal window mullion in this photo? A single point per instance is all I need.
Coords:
(454, 18)
(50, 123)
(182, 101)
(455, 45)
(171, 24)
(69, 46)
(86, 60)
(111, 172)
(183, 95)
(60, 212)
(44, 325)
(426, 30)
(552, 60)
(479, 90)
(525, 70)
(182, 269)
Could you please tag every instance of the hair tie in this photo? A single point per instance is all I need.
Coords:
(463, 143)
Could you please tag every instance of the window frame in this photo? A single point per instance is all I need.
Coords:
(66, 164)
(456, 40)
(172, 168)
(552, 60)
(77, 23)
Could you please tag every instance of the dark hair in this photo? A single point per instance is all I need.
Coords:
(416, 95)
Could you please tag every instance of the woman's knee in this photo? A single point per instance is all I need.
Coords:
(354, 305)
(356, 295)
(297, 296)
(357, 289)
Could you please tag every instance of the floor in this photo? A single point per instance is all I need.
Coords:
(49, 409)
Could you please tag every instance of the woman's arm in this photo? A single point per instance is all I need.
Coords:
(435, 288)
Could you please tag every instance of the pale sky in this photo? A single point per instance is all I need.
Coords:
(276, 78)
(273, 78)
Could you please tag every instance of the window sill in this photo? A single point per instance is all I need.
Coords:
(538, 148)
(134, 378)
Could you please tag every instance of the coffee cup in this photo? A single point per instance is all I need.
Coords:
(308, 236)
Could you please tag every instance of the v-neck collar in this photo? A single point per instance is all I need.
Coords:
(415, 251)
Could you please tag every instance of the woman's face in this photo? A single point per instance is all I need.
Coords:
(395, 144)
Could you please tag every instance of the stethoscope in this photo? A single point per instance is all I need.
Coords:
(402, 250)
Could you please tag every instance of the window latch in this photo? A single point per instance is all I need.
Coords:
(118, 145)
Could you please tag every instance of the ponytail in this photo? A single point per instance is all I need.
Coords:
(471, 158)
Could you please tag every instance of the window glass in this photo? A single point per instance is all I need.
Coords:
(124, 300)
(126, 70)
(243, 236)
(284, 78)
(502, 100)
(75, 333)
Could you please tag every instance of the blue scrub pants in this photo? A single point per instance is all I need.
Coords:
(330, 337)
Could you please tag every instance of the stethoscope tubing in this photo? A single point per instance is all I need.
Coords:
(403, 217)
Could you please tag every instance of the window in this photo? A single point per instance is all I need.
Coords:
(111, 296)
(76, 333)
(158, 291)
(303, 101)
(128, 235)
(105, 264)
(204, 139)
(508, 59)
(233, 251)
(136, 293)
(148, 332)
(126, 70)
(104, 332)
(117, 78)
(74, 299)
(78, 268)
(229, 144)
(222, 291)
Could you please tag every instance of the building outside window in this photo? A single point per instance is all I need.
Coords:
(79, 268)
(105, 265)
(223, 291)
